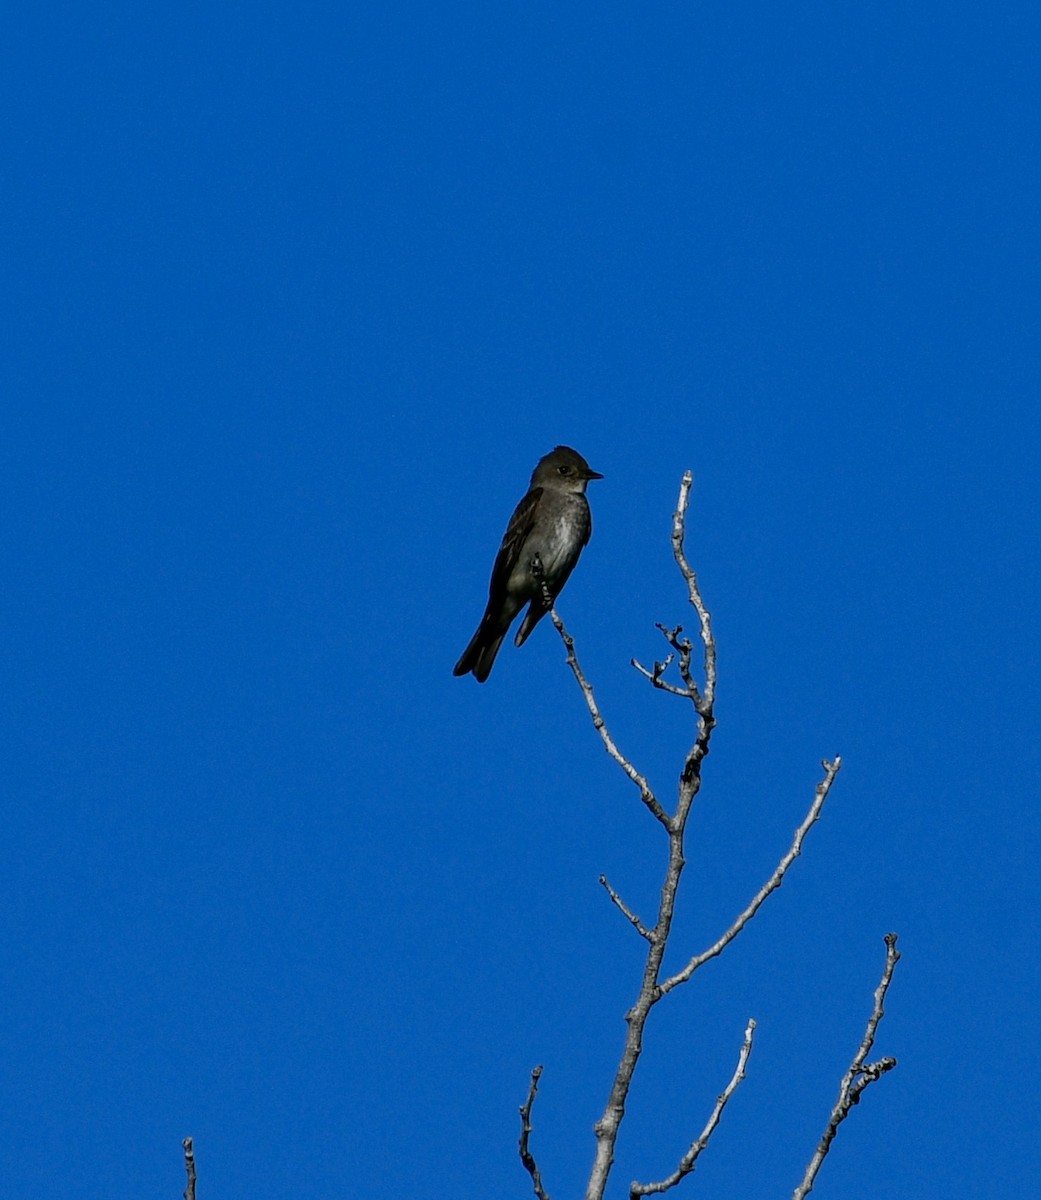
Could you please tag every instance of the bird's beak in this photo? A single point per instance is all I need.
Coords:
(594, 475)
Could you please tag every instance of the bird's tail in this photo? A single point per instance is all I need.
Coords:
(480, 654)
(536, 611)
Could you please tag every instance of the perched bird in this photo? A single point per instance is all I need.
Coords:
(542, 543)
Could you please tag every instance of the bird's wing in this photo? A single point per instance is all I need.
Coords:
(513, 539)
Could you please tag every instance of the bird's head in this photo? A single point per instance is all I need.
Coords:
(564, 469)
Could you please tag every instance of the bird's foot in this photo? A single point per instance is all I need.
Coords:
(538, 572)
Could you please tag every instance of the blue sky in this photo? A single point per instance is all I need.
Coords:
(295, 299)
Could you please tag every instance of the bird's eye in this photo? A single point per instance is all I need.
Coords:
(564, 469)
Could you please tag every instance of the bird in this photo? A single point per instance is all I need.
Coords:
(539, 550)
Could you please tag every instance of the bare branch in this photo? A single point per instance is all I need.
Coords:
(646, 794)
(831, 769)
(859, 1075)
(690, 1158)
(527, 1158)
(634, 920)
(687, 571)
(704, 703)
(683, 647)
(655, 676)
(189, 1166)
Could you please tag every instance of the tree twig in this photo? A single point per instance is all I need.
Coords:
(684, 648)
(691, 1157)
(189, 1166)
(646, 793)
(679, 528)
(634, 920)
(831, 769)
(527, 1158)
(859, 1075)
(657, 676)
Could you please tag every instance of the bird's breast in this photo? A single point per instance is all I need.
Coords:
(559, 543)
(558, 540)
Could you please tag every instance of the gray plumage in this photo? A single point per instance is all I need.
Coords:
(552, 522)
